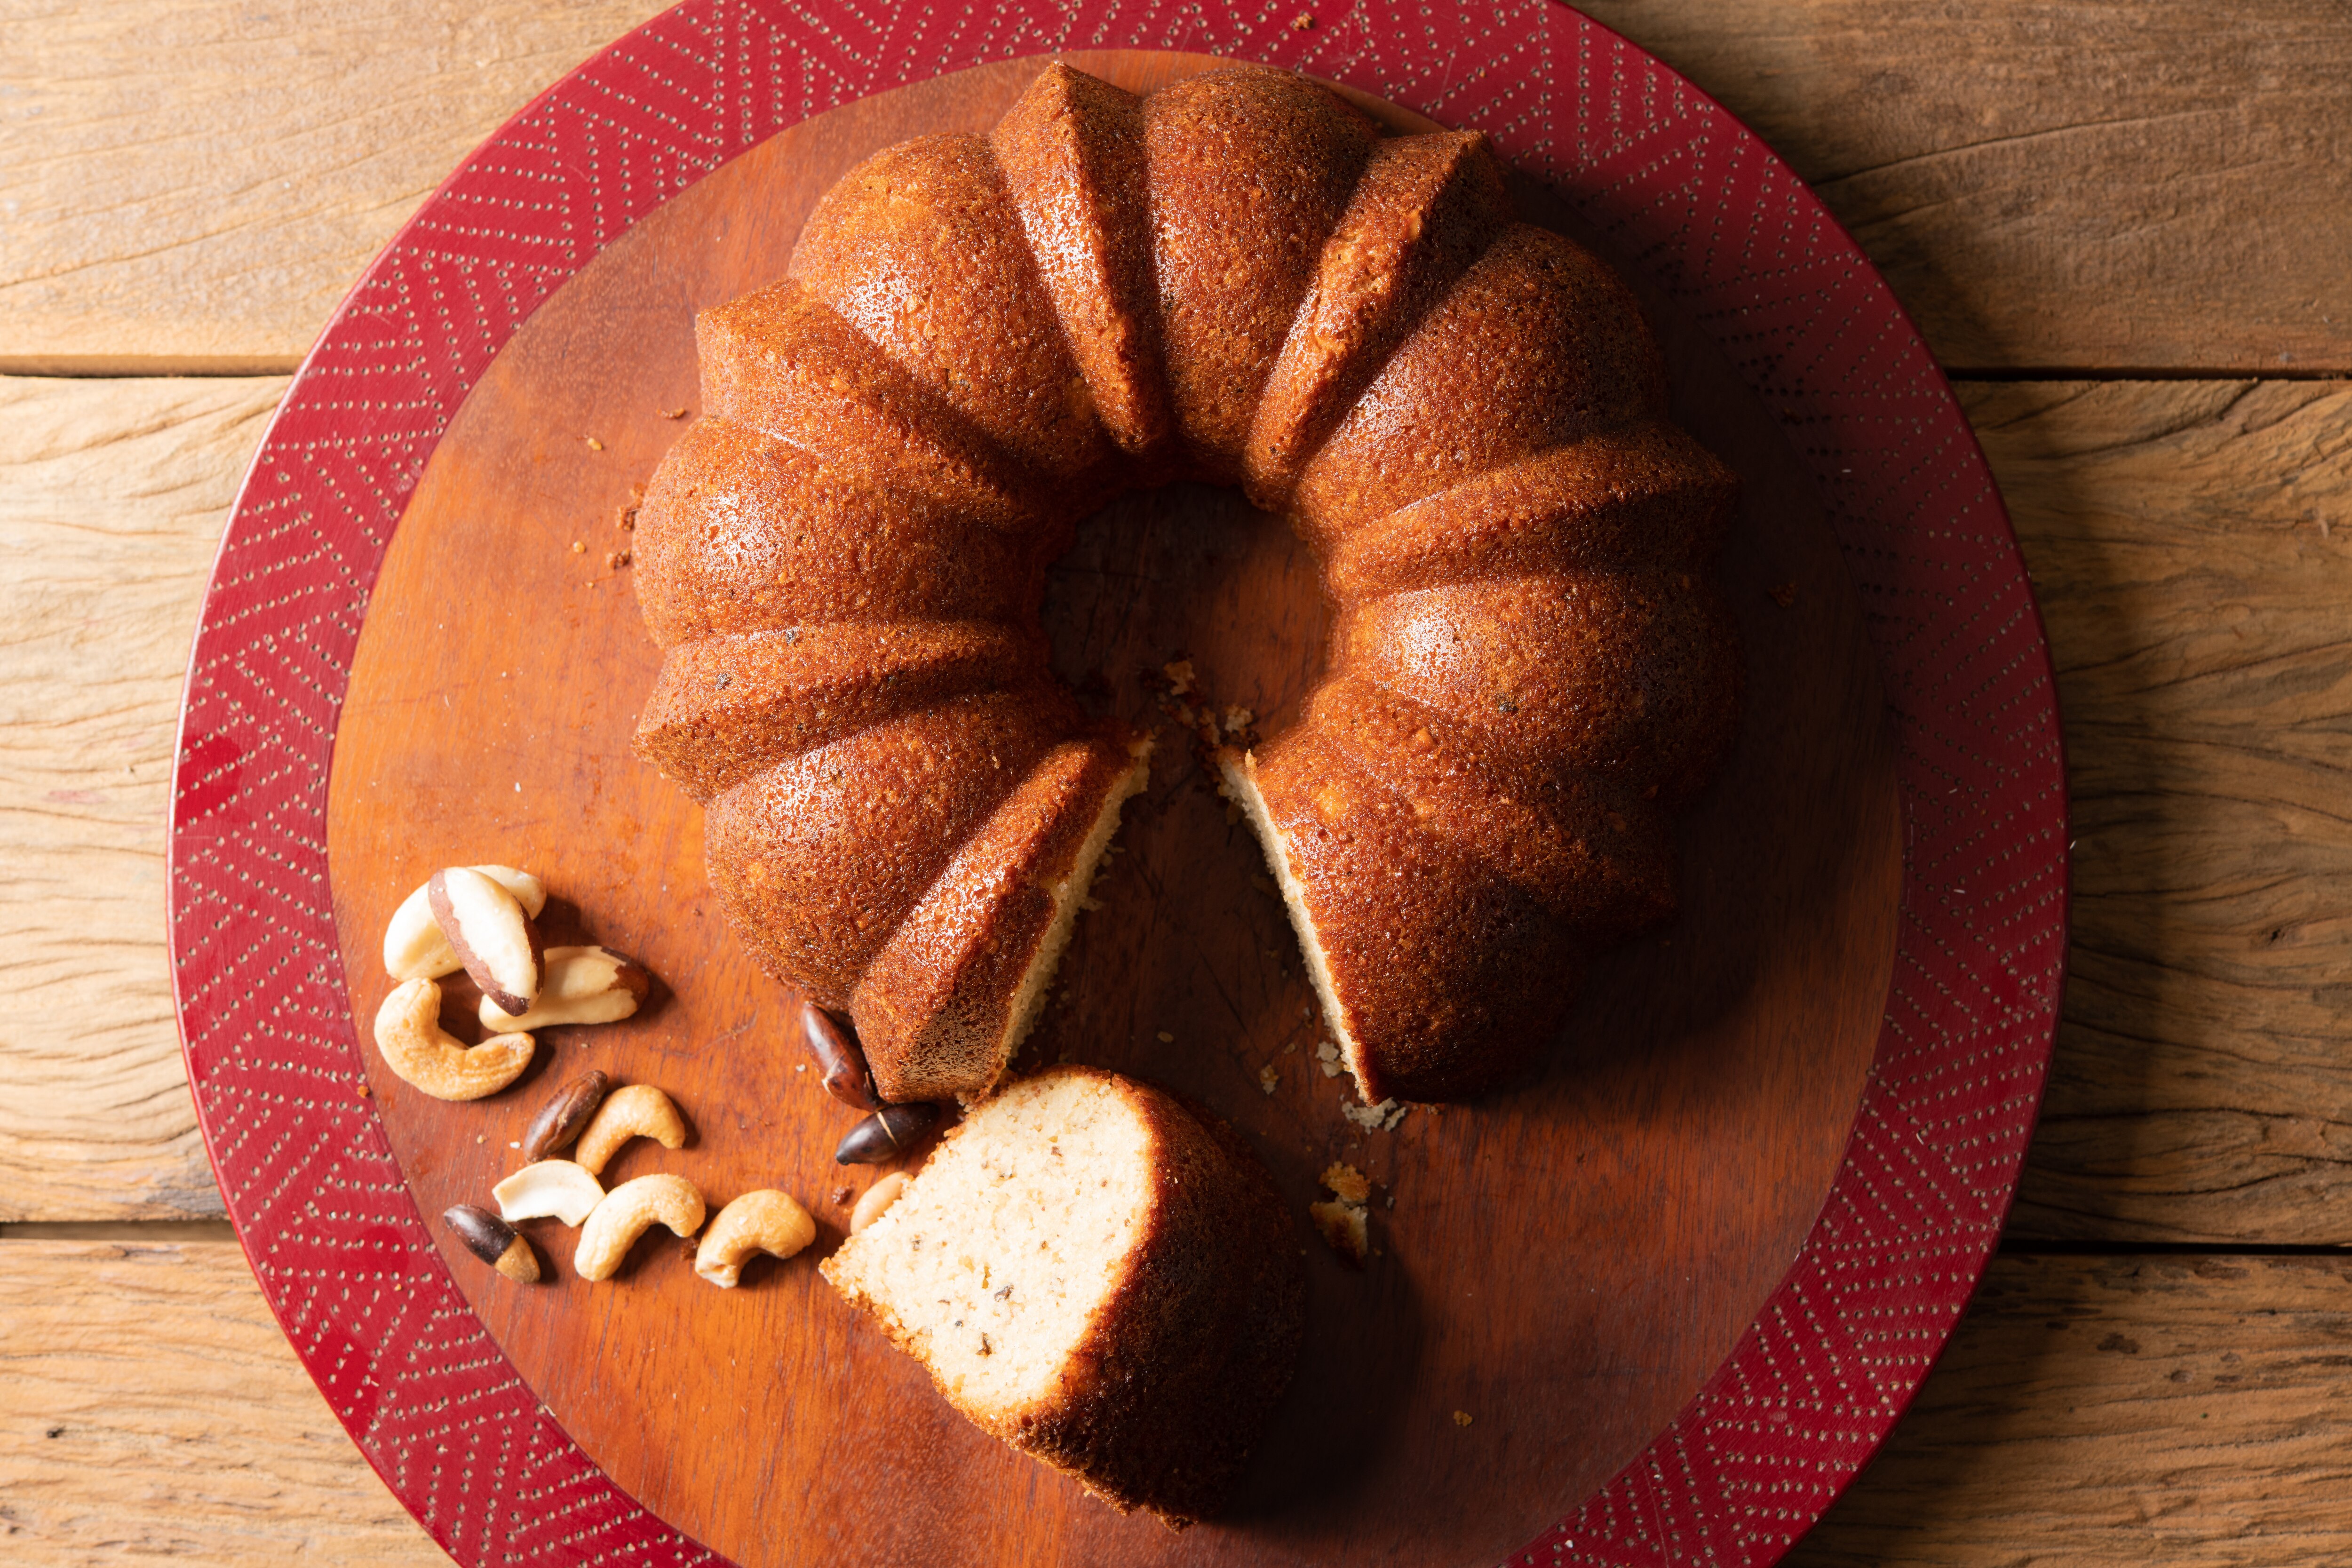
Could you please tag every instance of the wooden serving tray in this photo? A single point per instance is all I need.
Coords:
(1563, 1267)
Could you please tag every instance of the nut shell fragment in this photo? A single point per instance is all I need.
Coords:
(545, 1189)
(627, 1212)
(410, 1038)
(763, 1221)
(639, 1110)
(414, 947)
(489, 934)
(577, 985)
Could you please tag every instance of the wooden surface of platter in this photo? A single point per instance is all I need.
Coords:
(1564, 1266)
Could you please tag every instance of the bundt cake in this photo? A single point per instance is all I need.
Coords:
(978, 340)
(1098, 1275)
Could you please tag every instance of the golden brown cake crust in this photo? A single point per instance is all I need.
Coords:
(932, 1009)
(1170, 1388)
(1248, 170)
(1236, 277)
(1191, 1355)
(1072, 153)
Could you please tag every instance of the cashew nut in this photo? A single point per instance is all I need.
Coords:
(640, 1110)
(876, 1201)
(580, 985)
(627, 1211)
(409, 1037)
(414, 947)
(766, 1220)
(489, 934)
(545, 1188)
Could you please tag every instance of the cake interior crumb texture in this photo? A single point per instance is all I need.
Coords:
(1069, 897)
(1006, 1245)
(1241, 787)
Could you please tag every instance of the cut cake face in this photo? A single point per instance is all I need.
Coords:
(1099, 1275)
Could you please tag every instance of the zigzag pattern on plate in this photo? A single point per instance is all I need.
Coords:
(1667, 176)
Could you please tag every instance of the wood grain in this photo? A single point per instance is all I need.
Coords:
(1707, 1093)
(193, 186)
(2182, 1411)
(2046, 184)
(113, 496)
(2191, 544)
(151, 1409)
(2058, 184)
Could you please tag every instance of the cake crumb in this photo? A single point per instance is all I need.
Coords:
(673, 413)
(1342, 1227)
(1179, 676)
(840, 1195)
(594, 444)
(1378, 1118)
(578, 548)
(1342, 1221)
(1783, 594)
(1302, 22)
(1462, 1418)
(1166, 1039)
(1348, 1184)
(1267, 1079)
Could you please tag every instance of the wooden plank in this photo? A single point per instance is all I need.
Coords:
(205, 180)
(2057, 184)
(2121, 1411)
(112, 497)
(2186, 1411)
(2192, 543)
(2046, 184)
(150, 1408)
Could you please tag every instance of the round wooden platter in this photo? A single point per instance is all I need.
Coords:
(1654, 1308)
(1558, 1270)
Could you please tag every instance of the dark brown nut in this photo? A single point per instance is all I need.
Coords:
(494, 1241)
(497, 943)
(887, 1135)
(846, 1077)
(559, 1121)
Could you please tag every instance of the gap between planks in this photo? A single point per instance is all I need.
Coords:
(2101, 1411)
(130, 367)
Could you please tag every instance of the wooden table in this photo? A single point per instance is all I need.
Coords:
(2126, 228)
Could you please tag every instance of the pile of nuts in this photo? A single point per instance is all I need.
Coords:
(481, 918)
(593, 1119)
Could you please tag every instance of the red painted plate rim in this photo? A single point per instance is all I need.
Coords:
(1666, 173)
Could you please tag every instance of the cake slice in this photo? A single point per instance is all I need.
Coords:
(952, 994)
(1439, 978)
(1098, 1275)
